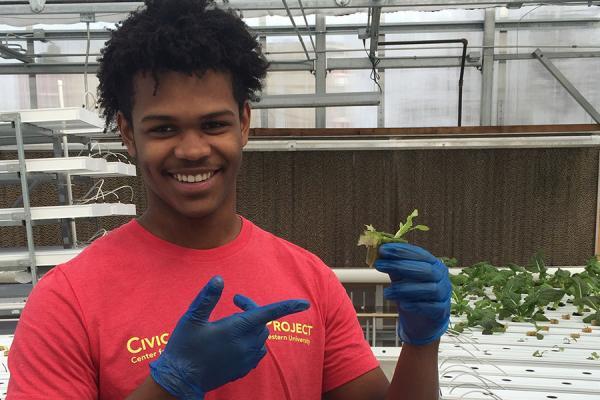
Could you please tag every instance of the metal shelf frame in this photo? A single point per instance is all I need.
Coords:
(15, 120)
(52, 126)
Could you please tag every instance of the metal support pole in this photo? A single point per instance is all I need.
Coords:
(321, 69)
(487, 82)
(33, 101)
(378, 306)
(597, 247)
(501, 95)
(289, 13)
(65, 144)
(549, 65)
(63, 197)
(381, 107)
(374, 31)
(16, 120)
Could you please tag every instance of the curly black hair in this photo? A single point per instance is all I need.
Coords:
(187, 36)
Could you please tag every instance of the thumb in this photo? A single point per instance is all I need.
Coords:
(207, 299)
(243, 302)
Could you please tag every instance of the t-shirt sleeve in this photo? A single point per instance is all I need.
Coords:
(347, 353)
(50, 356)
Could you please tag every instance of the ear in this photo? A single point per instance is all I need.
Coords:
(245, 122)
(126, 130)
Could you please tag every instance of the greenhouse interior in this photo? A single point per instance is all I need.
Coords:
(469, 129)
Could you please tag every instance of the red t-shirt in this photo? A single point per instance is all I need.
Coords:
(91, 326)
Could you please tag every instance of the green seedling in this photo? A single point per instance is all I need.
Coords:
(594, 303)
(372, 239)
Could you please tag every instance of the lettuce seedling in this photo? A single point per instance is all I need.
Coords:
(594, 303)
(372, 239)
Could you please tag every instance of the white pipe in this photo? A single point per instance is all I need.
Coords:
(369, 275)
(61, 95)
(361, 275)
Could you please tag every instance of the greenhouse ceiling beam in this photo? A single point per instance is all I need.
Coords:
(332, 63)
(417, 27)
(54, 7)
(438, 62)
(318, 100)
(564, 81)
(79, 68)
(397, 62)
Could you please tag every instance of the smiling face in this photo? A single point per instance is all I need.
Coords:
(187, 140)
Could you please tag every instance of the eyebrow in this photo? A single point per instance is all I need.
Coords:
(156, 117)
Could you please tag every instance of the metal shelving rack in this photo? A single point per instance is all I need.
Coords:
(54, 126)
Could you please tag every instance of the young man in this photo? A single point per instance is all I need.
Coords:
(176, 77)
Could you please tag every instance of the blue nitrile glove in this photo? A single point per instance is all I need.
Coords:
(420, 287)
(201, 356)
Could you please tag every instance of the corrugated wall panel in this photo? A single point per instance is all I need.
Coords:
(497, 205)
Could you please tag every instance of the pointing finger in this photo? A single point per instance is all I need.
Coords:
(207, 299)
(264, 314)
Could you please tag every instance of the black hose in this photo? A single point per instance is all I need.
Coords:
(464, 42)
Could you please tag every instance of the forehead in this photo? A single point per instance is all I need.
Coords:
(178, 91)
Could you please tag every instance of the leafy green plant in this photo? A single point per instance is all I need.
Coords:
(538, 266)
(594, 303)
(560, 279)
(579, 288)
(486, 319)
(460, 295)
(372, 239)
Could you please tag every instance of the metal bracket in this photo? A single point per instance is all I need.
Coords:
(576, 94)
(22, 263)
(474, 57)
(87, 17)
(19, 216)
(37, 6)
(9, 117)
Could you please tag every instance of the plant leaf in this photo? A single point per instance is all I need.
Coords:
(405, 227)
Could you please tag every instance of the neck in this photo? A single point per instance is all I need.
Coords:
(214, 230)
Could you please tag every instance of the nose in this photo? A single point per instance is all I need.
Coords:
(192, 145)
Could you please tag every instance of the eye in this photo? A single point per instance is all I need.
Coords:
(162, 130)
(215, 126)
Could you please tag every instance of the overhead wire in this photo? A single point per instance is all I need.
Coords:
(375, 76)
(87, 94)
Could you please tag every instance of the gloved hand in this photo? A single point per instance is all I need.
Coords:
(201, 356)
(420, 287)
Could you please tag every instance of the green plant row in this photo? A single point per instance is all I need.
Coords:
(522, 294)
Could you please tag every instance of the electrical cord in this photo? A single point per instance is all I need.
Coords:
(87, 94)
(106, 155)
(100, 194)
(375, 77)
(100, 233)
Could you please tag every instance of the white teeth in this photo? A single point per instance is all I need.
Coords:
(193, 178)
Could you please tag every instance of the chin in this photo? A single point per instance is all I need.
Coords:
(196, 213)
